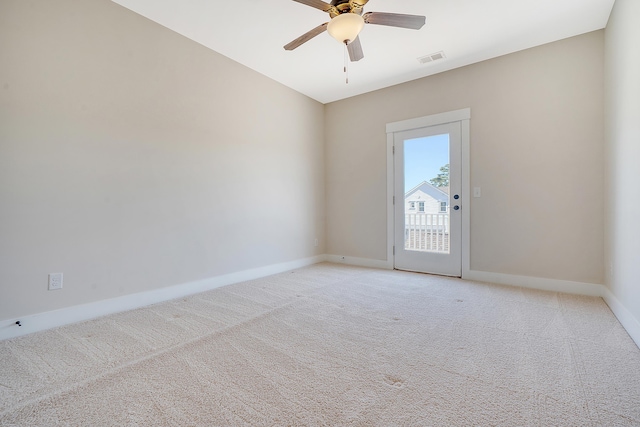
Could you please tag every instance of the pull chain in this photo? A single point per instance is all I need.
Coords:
(346, 63)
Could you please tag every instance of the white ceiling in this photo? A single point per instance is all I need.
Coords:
(253, 33)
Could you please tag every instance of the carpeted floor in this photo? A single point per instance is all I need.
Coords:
(333, 345)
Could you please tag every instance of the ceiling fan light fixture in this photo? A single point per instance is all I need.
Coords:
(345, 27)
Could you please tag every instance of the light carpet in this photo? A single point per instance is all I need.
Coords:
(333, 345)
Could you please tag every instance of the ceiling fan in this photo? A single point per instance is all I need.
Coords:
(347, 21)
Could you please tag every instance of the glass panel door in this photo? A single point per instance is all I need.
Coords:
(427, 185)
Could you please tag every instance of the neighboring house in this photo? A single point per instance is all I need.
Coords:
(426, 198)
(426, 210)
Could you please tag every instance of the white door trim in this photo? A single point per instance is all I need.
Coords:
(432, 120)
(463, 116)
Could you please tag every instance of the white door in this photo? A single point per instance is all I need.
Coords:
(427, 207)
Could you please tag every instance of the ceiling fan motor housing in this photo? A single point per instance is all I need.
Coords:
(344, 6)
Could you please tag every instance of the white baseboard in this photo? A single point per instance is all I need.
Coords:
(629, 322)
(555, 285)
(360, 262)
(65, 316)
(52, 319)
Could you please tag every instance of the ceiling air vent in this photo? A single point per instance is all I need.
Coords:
(430, 58)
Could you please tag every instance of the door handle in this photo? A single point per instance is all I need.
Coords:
(456, 197)
(456, 207)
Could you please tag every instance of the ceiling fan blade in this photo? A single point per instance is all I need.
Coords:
(307, 36)
(414, 22)
(355, 50)
(318, 4)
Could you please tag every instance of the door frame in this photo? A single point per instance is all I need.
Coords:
(463, 116)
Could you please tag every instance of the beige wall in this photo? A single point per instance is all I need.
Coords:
(536, 151)
(132, 158)
(622, 83)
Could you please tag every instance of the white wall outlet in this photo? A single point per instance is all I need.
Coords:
(477, 192)
(55, 281)
(315, 243)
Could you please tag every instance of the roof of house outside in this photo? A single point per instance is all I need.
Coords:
(440, 193)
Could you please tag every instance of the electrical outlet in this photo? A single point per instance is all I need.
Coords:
(55, 281)
(315, 243)
(477, 192)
